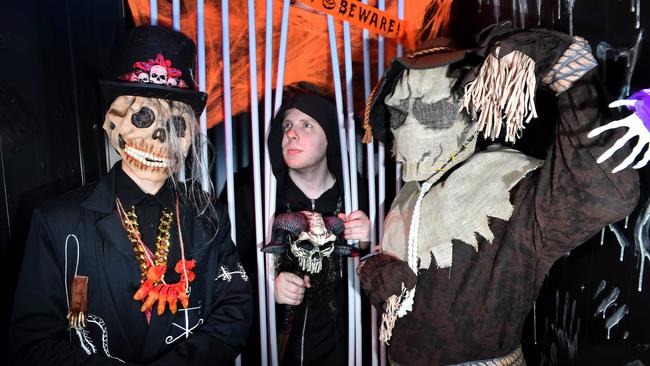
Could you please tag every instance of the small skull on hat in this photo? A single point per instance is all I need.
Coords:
(155, 71)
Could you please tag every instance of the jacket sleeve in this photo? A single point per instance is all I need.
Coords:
(38, 330)
(575, 196)
(245, 216)
(382, 276)
(222, 337)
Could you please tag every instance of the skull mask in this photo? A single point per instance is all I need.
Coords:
(151, 135)
(430, 134)
(314, 244)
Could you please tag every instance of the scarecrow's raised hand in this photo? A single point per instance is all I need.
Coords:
(638, 124)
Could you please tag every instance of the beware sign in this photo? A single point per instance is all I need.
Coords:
(360, 14)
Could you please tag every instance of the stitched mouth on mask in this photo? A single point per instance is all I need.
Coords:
(147, 158)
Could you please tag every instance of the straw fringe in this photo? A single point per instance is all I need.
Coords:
(389, 316)
(503, 94)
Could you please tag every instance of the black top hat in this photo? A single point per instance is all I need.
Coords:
(155, 62)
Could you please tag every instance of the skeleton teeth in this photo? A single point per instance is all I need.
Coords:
(141, 157)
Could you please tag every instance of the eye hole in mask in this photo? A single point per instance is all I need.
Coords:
(306, 245)
(143, 118)
(180, 126)
(439, 115)
(398, 114)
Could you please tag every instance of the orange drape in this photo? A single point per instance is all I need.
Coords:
(308, 56)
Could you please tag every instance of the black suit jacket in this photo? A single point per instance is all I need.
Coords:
(212, 330)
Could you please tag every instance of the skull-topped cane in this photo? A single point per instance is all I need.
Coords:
(307, 239)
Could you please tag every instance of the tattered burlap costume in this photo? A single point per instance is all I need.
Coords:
(467, 244)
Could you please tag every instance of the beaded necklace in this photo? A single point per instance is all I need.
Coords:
(153, 287)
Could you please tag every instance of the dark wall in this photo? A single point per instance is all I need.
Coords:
(51, 141)
(50, 130)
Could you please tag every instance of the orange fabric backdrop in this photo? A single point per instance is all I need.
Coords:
(308, 57)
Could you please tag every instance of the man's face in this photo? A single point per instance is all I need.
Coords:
(304, 144)
(151, 135)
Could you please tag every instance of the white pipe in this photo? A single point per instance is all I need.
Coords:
(200, 43)
(176, 14)
(400, 52)
(227, 118)
(381, 167)
(354, 191)
(282, 55)
(153, 11)
(257, 192)
(346, 180)
(271, 186)
(372, 204)
(227, 115)
(176, 24)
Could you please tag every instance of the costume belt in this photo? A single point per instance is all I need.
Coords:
(514, 358)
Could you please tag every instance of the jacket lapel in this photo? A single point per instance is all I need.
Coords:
(116, 259)
(122, 274)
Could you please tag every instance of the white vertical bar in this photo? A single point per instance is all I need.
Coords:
(400, 52)
(200, 43)
(176, 14)
(381, 167)
(176, 24)
(227, 115)
(346, 179)
(272, 182)
(282, 55)
(257, 192)
(227, 118)
(269, 184)
(372, 204)
(153, 10)
(354, 192)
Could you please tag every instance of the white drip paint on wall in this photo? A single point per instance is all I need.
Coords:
(607, 302)
(615, 318)
(606, 51)
(620, 238)
(569, 8)
(496, 9)
(523, 12)
(601, 287)
(642, 240)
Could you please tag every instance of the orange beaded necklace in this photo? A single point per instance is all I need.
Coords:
(153, 267)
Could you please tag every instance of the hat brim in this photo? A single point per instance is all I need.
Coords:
(429, 61)
(113, 89)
